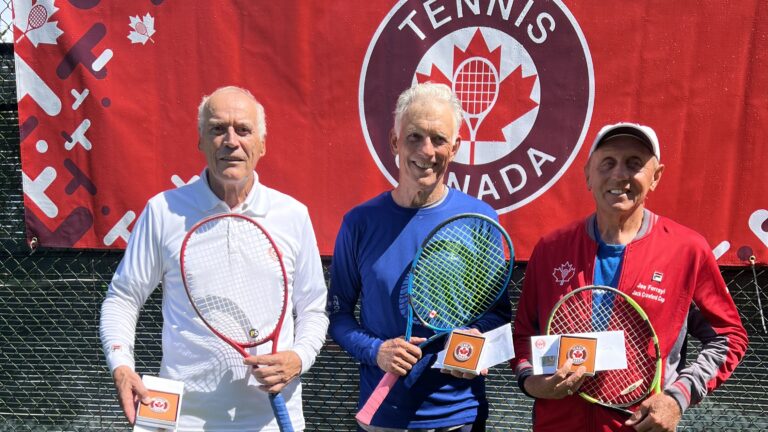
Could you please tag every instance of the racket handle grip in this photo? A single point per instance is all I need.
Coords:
(281, 412)
(365, 415)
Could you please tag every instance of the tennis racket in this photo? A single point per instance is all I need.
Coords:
(142, 29)
(235, 279)
(459, 272)
(600, 308)
(476, 84)
(37, 18)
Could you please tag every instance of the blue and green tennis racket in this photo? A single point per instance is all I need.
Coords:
(460, 271)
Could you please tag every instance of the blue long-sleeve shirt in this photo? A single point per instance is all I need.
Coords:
(374, 250)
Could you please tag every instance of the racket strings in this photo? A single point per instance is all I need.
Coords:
(459, 275)
(620, 387)
(476, 85)
(235, 279)
(37, 17)
(226, 316)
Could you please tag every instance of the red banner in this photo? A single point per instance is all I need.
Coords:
(108, 95)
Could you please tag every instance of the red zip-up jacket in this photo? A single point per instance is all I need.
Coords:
(671, 272)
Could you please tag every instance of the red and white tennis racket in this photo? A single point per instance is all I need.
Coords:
(142, 29)
(37, 18)
(476, 84)
(235, 278)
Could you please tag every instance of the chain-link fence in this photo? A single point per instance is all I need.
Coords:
(6, 31)
(52, 371)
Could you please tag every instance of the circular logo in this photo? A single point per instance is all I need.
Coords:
(462, 352)
(578, 354)
(159, 405)
(522, 72)
(540, 343)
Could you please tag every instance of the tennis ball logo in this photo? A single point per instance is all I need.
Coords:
(578, 354)
(159, 405)
(462, 352)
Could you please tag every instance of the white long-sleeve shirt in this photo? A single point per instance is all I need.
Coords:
(220, 392)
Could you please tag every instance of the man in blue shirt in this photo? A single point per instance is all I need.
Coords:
(374, 249)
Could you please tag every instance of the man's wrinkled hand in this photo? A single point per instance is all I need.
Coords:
(398, 356)
(275, 371)
(658, 413)
(130, 390)
(558, 385)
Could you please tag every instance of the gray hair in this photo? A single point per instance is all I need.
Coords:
(261, 121)
(428, 90)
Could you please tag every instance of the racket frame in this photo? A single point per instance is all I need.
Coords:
(274, 335)
(441, 331)
(655, 386)
(474, 119)
(488, 104)
(276, 400)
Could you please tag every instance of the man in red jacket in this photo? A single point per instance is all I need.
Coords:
(626, 246)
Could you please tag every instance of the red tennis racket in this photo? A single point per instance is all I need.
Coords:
(235, 278)
(142, 30)
(37, 18)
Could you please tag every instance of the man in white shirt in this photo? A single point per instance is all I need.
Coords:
(221, 390)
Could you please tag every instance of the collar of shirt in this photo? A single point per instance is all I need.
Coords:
(649, 220)
(256, 204)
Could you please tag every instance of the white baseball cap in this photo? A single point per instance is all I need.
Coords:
(643, 133)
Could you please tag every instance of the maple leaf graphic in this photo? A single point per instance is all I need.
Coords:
(489, 101)
(32, 21)
(564, 273)
(143, 29)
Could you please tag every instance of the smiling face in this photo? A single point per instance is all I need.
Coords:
(425, 145)
(230, 141)
(620, 173)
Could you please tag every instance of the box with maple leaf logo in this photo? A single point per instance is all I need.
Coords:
(463, 351)
(582, 350)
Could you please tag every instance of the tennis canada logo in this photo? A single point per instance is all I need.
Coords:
(523, 74)
(159, 405)
(564, 273)
(463, 352)
(578, 354)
